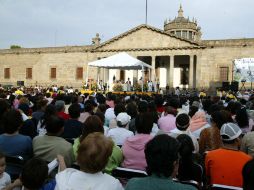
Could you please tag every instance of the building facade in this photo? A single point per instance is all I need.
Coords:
(177, 54)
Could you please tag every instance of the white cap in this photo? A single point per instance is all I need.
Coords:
(124, 118)
(230, 131)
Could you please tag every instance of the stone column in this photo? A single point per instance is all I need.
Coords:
(191, 69)
(168, 72)
(153, 69)
(198, 71)
(135, 76)
(171, 71)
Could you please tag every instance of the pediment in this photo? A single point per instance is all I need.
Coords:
(144, 37)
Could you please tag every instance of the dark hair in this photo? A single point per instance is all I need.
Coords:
(174, 102)
(92, 124)
(88, 107)
(248, 175)
(34, 167)
(74, 110)
(54, 124)
(142, 106)
(131, 110)
(102, 108)
(161, 152)
(49, 111)
(242, 118)
(4, 106)
(101, 116)
(185, 152)
(221, 117)
(171, 110)
(213, 108)
(94, 152)
(144, 123)
(12, 120)
(182, 121)
(100, 99)
(193, 110)
(42, 103)
(119, 108)
(233, 107)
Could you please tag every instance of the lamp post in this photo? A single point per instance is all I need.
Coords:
(146, 12)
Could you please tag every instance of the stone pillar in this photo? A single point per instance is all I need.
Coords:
(171, 71)
(198, 72)
(168, 73)
(191, 69)
(153, 69)
(135, 76)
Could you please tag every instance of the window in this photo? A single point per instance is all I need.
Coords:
(29, 73)
(224, 74)
(190, 35)
(79, 73)
(53, 73)
(178, 33)
(184, 34)
(7, 73)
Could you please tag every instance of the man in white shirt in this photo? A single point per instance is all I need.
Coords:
(120, 133)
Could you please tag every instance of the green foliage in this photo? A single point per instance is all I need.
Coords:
(15, 47)
(117, 87)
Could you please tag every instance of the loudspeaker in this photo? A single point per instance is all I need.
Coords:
(225, 86)
(20, 83)
(234, 86)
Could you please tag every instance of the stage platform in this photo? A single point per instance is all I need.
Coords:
(119, 92)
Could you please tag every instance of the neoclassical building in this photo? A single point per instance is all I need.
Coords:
(177, 54)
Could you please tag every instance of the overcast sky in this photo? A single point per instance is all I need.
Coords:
(47, 23)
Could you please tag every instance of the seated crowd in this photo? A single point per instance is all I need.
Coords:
(174, 139)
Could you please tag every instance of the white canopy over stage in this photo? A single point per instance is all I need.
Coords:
(120, 61)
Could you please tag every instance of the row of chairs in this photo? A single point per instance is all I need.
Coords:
(123, 174)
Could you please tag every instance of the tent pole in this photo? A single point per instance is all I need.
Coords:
(149, 74)
(87, 68)
(142, 85)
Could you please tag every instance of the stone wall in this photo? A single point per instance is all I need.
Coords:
(65, 64)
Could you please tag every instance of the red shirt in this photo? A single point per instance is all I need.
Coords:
(63, 115)
(224, 166)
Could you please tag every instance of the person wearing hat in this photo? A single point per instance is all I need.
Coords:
(120, 133)
(224, 165)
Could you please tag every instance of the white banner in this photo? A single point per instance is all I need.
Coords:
(244, 69)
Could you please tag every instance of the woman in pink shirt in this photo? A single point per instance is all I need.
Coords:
(133, 147)
(168, 121)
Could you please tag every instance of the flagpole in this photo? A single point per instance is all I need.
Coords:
(146, 12)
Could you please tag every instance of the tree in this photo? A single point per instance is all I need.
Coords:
(15, 47)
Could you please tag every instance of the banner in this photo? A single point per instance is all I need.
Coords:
(244, 69)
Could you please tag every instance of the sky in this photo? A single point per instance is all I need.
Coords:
(50, 23)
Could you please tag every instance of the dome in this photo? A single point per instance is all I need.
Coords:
(183, 27)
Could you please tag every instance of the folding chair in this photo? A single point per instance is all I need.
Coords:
(192, 183)
(14, 165)
(189, 182)
(224, 187)
(124, 174)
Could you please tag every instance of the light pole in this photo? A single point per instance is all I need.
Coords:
(146, 12)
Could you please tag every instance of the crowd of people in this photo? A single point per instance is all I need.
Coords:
(174, 138)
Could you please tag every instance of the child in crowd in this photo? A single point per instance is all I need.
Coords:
(4, 177)
(35, 174)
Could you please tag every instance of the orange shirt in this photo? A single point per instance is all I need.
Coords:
(224, 166)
